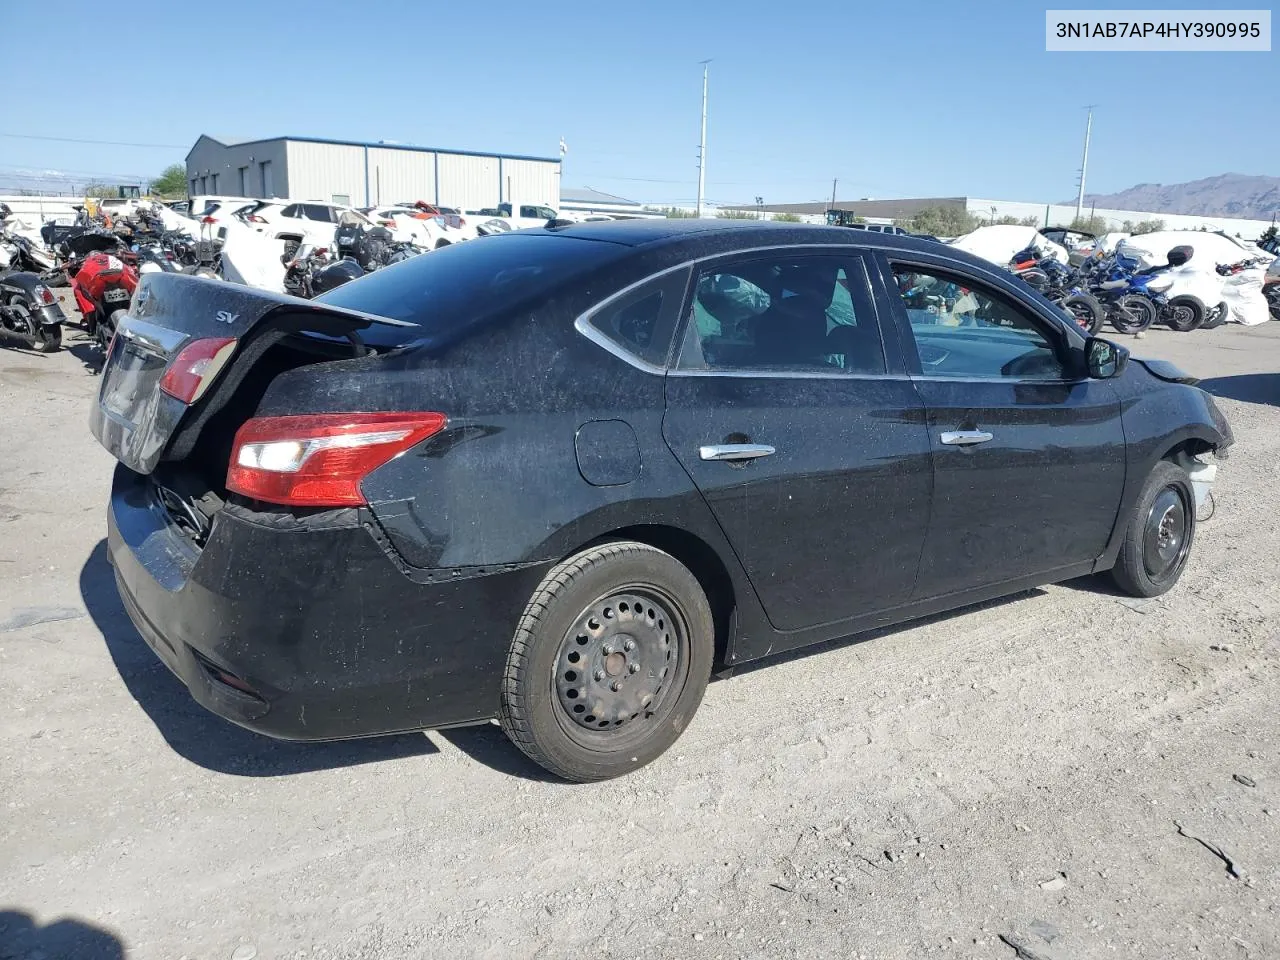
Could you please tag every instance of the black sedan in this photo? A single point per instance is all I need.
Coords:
(561, 477)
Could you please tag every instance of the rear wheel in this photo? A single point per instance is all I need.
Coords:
(1132, 313)
(608, 663)
(1087, 311)
(1158, 539)
(1185, 314)
(44, 338)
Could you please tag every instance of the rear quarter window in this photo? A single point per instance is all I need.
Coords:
(641, 322)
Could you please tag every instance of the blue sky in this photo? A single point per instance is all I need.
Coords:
(894, 98)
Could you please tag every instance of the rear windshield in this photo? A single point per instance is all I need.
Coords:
(458, 288)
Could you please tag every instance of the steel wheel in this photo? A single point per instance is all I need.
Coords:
(1158, 533)
(1165, 540)
(609, 661)
(620, 661)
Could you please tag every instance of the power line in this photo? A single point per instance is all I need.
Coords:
(100, 143)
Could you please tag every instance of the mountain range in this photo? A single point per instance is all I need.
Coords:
(1226, 195)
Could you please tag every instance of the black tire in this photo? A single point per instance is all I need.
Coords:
(608, 663)
(1185, 314)
(1161, 529)
(1216, 317)
(1086, 310)
(1132, 313)
(42, 337)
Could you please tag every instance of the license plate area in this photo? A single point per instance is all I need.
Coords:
(132, 374)
(117, 295)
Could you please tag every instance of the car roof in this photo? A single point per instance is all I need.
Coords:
(635, 233)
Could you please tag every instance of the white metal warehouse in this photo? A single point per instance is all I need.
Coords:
(368, 174)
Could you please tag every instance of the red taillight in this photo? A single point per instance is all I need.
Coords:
(208, 220)
(45, 294)
(387, 223)
(319, 460)
(195, 367)
(254, 218)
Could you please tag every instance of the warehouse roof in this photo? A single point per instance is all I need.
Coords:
(383, 144)
(588, 195)
(863, 208)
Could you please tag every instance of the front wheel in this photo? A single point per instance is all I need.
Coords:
(1185, 314)
(1132, 313)
(608, 663)
(1086, 310)
(1158, 538)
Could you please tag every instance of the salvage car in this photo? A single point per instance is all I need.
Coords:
(562, 477)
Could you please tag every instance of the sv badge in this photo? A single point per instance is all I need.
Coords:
(225, 316)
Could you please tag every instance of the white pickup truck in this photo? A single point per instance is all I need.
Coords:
(529, 215)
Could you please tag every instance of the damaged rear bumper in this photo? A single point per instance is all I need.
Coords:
(311, 630)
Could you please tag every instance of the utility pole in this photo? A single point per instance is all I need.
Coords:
(1084, 162)
(834, 181)
(702, 144)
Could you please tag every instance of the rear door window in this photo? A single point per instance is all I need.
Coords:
(317, 211)
(784, 312)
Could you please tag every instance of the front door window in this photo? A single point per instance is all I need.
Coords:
(963, 330)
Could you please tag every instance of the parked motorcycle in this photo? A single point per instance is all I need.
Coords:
(29, 310)
(310, 271)
(154, 257)
(1061, 285)
(1171, 293)
(103, 286)
(372, 248)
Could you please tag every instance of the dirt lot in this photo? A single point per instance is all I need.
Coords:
(1010, 774)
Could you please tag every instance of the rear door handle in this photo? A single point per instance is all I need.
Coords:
(965, 438)
(735, 451)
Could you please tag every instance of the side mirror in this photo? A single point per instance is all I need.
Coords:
(1104, 359)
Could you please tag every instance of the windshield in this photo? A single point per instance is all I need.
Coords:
(450, 291)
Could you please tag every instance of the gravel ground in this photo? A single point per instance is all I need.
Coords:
(1064, 774)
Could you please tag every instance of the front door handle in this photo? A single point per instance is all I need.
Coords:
(965, 438)
(735, 451)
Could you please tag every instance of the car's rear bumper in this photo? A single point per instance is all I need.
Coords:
(307, 629)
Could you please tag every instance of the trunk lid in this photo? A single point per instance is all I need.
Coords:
(136, 420)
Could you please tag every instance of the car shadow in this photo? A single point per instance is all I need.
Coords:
(488, 745)
(17, 344)
(1249, 387)
(878, 632)
(1099, 584)
(22, 936)
(193, 732)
